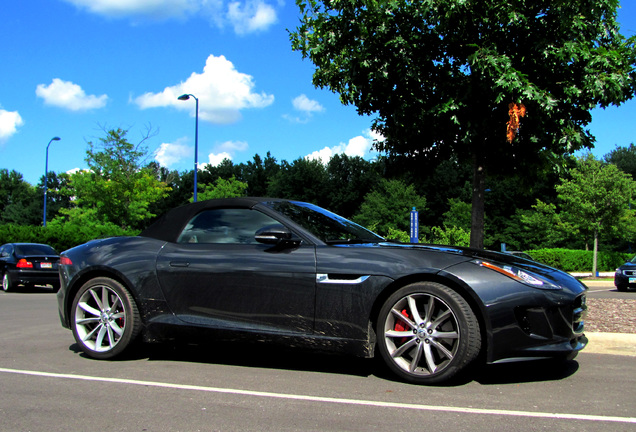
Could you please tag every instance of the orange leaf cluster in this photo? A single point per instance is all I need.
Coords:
(515, 111)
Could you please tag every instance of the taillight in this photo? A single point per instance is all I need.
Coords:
(24, 264)
(65, 261)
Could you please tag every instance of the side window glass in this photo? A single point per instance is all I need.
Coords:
(230, 226)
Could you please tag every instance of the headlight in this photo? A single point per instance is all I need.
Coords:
(520, 275)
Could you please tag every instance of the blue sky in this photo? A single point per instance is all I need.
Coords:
(72, 68)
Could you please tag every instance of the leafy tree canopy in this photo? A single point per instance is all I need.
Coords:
(504, 84)
(116, 189)
(597, 197)
(624, 158)
(222, 189)
(20, 202)
(388, 206)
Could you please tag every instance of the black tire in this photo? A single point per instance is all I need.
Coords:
(621, 288)
(7, 283)
(104, 318)
(427, 333)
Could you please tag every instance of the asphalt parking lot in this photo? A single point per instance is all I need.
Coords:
(48, 385)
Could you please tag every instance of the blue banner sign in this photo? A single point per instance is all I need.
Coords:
(415, 226)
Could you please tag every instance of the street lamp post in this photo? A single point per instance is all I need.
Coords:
(46, 175)
(196, 139)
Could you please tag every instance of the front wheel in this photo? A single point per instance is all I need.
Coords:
(104, 318)
(427, 333)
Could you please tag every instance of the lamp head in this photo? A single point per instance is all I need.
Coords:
(55, 139)
(184, 97)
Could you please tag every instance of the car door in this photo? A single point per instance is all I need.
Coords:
(218, 275)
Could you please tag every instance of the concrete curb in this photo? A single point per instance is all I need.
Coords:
(611, 343)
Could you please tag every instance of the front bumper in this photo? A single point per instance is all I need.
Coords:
(625, 279)
(524, 322)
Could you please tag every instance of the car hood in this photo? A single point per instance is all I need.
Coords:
(550, 273)
(628, 265)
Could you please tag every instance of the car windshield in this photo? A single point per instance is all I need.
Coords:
(34, 249)
(327, 226)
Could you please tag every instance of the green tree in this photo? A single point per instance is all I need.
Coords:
(350, 178)
(596, 197)
(303, 180)
(624, 158)
(20, 203)
(545, 226)
(222, 189)
(506, 85)
(458, 215)
(257, 174)
(117, 188)
(388, 207)
(56, 198)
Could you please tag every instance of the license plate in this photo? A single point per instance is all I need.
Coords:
(632, 280)
(46, 265)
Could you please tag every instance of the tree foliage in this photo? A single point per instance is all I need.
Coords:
(19, 203)
(117, 189)
(596, 197)
(441, 75)
(624, 158)
(384, 208)
(343, 184)
(222, 189)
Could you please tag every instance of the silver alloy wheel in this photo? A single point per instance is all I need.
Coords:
(6, 282)
(421, 334)
(100, 318)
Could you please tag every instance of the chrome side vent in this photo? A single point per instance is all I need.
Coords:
(340, 279)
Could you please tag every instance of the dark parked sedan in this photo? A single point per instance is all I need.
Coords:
(625, 276)
(293, 273)
(29, 264)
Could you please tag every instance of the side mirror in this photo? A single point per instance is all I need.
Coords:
(275, 234)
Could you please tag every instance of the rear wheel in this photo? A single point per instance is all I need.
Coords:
(427, 333)
(7, 283)
(104, 318)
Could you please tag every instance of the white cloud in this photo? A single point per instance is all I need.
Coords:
(233, 146)
(169, 154)
(216, 158)
(306, 105)
(67, 95)
(251, 16)
(10, 121)
(357, 146)
(244, 17)
(155, 9)
(78, 170)
(225, 150)
(221, 89)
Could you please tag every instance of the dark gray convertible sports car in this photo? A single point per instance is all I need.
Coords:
(294, 273)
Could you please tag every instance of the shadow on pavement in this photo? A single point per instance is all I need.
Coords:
(269, 356)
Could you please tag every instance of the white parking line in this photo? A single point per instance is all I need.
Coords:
(465, 410)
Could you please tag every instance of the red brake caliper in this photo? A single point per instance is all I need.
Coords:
(401, 325)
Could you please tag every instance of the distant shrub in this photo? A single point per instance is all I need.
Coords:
(579, 260)
(60, 237)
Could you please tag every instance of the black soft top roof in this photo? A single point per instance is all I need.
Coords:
(169, 226)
